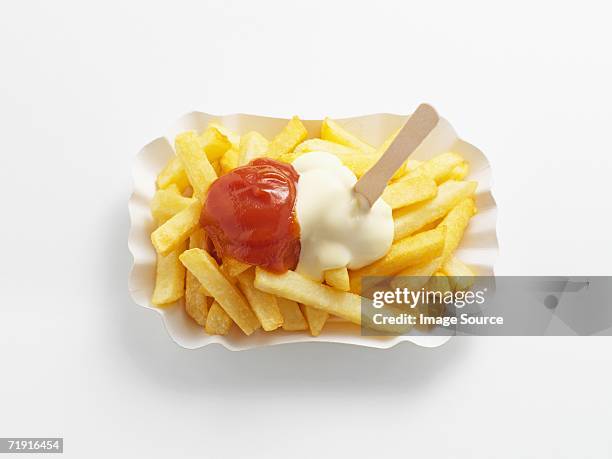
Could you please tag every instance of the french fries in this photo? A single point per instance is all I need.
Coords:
(232, 136)
(412, 218)
(177, 229)
(198, 240)
(438, 168)
(213, 143)
(196, 296)
(406, 252)
(199, 170)
(409, 191)
(229, 160)
(173, 174)
(293, 320)
(431, 201)
(264, 305)
(332, 131)
(461, 277)
(205, 269)
(310, 145)
(293, 133)
(338, 278)
(232, 267)
(455, 223)
(196, 301)
(252, 145)
(429, 226)
(358, 162)
(169, 278)
(217, 321)
(216, 165)
(353, 158)
(316, 319)
(437, 283)
(460, 172)
(167, 203)
(301, 289)
(414, 277)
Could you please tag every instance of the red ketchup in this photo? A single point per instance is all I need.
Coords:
(249, 215)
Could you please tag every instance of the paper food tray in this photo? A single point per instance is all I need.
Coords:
(478, 248)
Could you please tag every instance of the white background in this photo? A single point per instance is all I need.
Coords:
(83, 87)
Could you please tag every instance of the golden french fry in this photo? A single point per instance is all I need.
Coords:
(177, 229)
(345, 305)
(169, 278)
(316, 319)
(338, 278)
(173, 174)
(460, 172)
(232, 267)
(412, 218)
(217, 321)
(461, 277)
(252, 145)
(438, 168)
(196, 301)
(264, 305)
(205, 269)
(439, 282)
(436, 289)
(409, 166)
(286, 140)
(168, 202)
(301, 289)
(456, 222)
(216, 165)
(229, 161)
(332, 131)
(429, 226)
(352, 158)
(310, 145)
(357, 162)
(406, 192)
(196, 296)
(414, 277)
(199, 170)
(293, 320)
(198, 240)
(174, 187)
(406, 252)
(214, 144)
(232, 136)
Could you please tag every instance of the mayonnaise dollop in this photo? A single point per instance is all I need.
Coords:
(337, 227)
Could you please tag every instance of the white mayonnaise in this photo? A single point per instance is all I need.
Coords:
(337, 227)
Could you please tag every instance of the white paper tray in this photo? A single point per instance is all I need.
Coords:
(478, 249)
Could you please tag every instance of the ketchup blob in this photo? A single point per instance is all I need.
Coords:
(249, 215)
